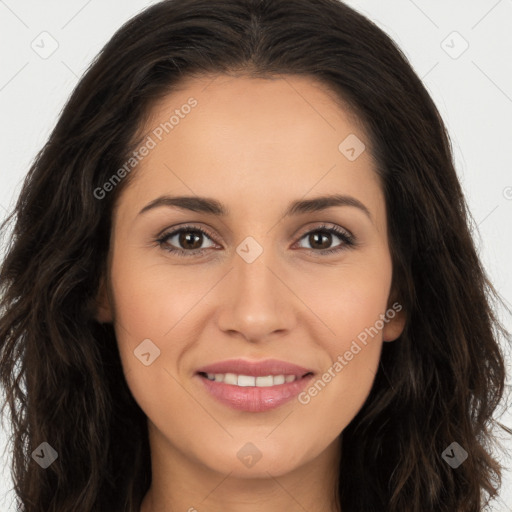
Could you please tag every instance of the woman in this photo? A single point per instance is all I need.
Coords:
(252, 369)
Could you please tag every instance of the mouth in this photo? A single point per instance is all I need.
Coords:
(254, 386)
(243, 381)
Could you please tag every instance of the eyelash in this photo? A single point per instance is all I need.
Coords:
(348, 240)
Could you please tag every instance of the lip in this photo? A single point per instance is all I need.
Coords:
(252, 398)
(256, 368)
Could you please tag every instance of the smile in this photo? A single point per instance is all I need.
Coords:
(250, 380)
(254, 386)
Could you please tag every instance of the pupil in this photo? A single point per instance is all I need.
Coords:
(186, 239)
(318, 236)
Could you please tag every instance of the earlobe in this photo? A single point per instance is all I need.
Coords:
(103, 306)
(395, 324)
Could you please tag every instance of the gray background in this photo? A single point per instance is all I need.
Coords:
(472, 88)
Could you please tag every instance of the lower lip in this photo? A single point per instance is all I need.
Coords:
(252, 398)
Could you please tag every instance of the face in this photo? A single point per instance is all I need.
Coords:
(255, 334)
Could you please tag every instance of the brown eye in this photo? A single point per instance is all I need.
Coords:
(320, 239)
(186, 241)
(190, 241)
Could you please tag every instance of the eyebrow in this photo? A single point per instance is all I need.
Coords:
(213, 207)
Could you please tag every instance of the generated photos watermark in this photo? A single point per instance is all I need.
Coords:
(145, 148)
(354, 349)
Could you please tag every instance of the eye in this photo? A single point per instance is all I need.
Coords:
(188, 240)
(322, 236)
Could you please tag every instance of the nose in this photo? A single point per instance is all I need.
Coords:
(255, 301)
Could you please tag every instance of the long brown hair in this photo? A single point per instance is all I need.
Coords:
(439, 383)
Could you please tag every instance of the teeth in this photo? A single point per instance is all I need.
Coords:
(279, 379)
(230, 378)
(250, 380)
(246, 380)
(263, 382)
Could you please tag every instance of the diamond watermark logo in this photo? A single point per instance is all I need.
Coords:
(45, 45)
(249, 249)
(147, 352)
(455, 455)
(249, 455)
(45, 455)
(352, 147)
(454, 45)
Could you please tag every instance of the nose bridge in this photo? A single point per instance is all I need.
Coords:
(253, 278)
(254, 301)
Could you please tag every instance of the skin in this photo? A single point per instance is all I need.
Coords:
(255, 145)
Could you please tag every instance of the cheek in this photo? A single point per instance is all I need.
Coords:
(347, 300)
(162, 304)
(151, 307)
(151, 299)
(349, 303)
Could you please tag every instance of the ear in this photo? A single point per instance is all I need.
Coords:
(103, 305)
(395, 324)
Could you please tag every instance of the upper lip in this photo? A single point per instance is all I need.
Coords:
(255, 368)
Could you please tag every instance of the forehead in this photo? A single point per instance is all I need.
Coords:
(242, 138)
(283, 111)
